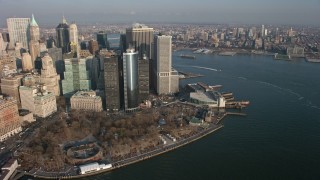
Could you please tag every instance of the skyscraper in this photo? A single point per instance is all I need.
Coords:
(262, 30)
(63, 39)
(34, 50)
(49, 75)
(144, 78)
(102, 39)
(26, 62)
(130, 80)
(74, 42)
(112, 82)
(2, 45)
(76, 76)
(140, 37)
(34, 30)
(93, 46)
(18, 31)
(165, 81)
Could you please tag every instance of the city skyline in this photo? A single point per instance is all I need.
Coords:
(231, 11)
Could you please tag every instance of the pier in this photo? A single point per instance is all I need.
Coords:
(186, 75)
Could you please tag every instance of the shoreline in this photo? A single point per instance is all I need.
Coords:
(159, 151)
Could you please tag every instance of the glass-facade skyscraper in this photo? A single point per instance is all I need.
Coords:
(18, 29)
(63, 36)
(130, 80)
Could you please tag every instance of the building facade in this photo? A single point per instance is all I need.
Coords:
(140, 37)
(34, 30)
(7, 60)
(10, 86)
(63, 36)
(102, 39)
(112, 83)
(76, 76)
(26, 62)
(9, 118)
(38, 100)
(166, 79)
(49, 75)
(18, 31)
(86, 100)
(144, 78)
(131, 80)
(93, 47)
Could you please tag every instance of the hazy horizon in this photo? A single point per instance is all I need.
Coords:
(49, 13)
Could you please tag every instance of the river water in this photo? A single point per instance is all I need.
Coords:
(279, 139)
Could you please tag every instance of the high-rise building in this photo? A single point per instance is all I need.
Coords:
(63, 39)
(10, 86)
(9, 118)
(165, 81)
(38, 100)
(18, 31)
(76, 76)
(87, 101)
(5, 36)
(93, 46)
(112, 82)
(2, 45)
(262, 31)
(74, 39)
(49, 75)
(140, 37)
(130, 80)
(34, 30)
(56, 55)
(144, 78)
(34, 50)
(26, 62)
(102, 39)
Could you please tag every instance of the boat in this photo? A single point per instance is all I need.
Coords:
(187, 56)
(245, 103)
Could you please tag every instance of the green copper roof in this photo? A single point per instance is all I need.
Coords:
(33, 21)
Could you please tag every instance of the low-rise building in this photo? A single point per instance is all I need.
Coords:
(10, 86)
(86, 100)
(26, 116)
(9, 117)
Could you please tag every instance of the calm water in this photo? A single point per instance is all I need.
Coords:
(279, 139)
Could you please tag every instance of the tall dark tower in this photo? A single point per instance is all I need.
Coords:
(102, 40)
(112, 67)
(63, 39)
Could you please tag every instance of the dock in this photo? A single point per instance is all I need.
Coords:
(186, 75)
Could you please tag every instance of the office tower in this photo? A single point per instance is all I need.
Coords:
(51, 43)
(102, 39)
(26, 62)
(165, 77)
(112, 82)
(74, 42)
(34, 30)
(63, 39)
(18, 31)
(83, 45)
(34, 50)
(2, 45)
(9, 118)
(87, 101)
(140, 37)
(93, 47)
(10, 86)
(130, 80)
(76, 76)
(38, 100)
(144, 78)
(56, 55)
(123, 43)
(5, 36)
(49, 75)
(262, 30)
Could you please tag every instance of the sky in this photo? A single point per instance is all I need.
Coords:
(50, 12)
